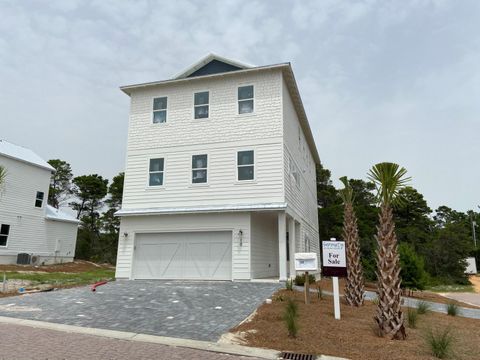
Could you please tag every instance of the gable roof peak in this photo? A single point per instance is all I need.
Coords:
(210, 57)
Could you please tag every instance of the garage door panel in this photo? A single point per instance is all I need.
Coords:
(197, 260)
(220, 254)
(194, 255)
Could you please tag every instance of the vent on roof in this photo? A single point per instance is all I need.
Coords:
(297, 356)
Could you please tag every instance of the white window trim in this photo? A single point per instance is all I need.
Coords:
(8, 236)
(194, 106)
(153, 111)
(43, 200)
(237, 103)
(294, 166)
(153, 187)
(254, 166)
(207, 168)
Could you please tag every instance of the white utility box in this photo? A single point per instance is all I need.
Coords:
(306, 262)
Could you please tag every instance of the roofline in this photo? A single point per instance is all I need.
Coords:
(53, 218)
(201, 209)
(125, 88)
(49, 167)
(205, 60)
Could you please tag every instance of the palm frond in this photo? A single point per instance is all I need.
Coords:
(389, 178)
(346, 193)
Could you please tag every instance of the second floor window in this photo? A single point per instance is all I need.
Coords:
(39, 199)
(4, 231)
(160, 110)
(156, 172)
(245, 165)
(199, 169)
(245, 99)
(201, 101)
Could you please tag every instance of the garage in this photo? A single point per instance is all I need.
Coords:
(183, 255)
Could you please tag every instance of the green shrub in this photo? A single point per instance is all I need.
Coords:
(290, 317)
(452, 309)
(412, 271)
(289, 285)
(412, 316)
(300, 279)
(423, 307)
(440, 343)
(375, 300)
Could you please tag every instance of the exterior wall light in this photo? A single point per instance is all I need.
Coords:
(240, 237)
(125, 234)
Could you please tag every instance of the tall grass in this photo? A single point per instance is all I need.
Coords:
(440, 342)
(412, 317)
(452, 309)
(289, 285)
(290, 317)
(423, 307)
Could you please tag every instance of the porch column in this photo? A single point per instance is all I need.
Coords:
(291, 250)
(282, 246)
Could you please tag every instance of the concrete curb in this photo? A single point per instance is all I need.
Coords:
(162, 340)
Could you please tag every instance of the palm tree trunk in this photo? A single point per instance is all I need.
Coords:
(389, 316)
(354, 284)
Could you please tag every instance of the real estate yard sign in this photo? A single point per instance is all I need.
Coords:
(334, 259)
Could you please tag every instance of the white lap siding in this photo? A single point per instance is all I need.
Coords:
(264, 247)
(186, 223)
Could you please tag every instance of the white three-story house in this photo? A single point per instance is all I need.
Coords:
(220, 177)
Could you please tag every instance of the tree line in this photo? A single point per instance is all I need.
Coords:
(433, 245)
(95, 202)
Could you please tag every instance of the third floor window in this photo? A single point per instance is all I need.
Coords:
(160, 110)
(201, 105)
(245, 99)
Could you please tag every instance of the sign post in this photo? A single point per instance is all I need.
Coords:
(334, 264)
(306, 262)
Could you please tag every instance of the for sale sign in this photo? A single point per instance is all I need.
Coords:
(334, 258)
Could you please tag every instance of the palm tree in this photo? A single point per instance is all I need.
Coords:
(354, 284)
(389, 179)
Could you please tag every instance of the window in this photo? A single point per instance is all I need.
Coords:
(245, 99)
(4, 231)
(160, 110)
(39, 199)
(199, 169)
(307, 243)
(201, 100)
(295, 173)
(156, 172)
(245, 165)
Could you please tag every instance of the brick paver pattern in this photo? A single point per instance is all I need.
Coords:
(25, 343)
(190, 310)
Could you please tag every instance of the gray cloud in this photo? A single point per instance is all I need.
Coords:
(381, 80)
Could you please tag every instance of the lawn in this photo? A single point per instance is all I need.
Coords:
(353, 336)
(451, 288)
(62, 278)
(76, 273)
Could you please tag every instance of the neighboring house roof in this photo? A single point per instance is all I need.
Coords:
(23, 154)
(286, 69)
(54, 214)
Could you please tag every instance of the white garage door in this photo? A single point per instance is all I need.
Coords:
(188, 255)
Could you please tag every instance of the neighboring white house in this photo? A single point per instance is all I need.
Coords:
(28, 225)
(220, 167)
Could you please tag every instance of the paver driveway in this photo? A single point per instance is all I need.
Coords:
(190, 310)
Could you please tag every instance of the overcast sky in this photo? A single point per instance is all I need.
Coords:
(380, 80)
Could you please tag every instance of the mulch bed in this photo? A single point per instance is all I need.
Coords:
(352, 337)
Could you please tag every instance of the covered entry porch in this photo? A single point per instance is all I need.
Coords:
(275, 237)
